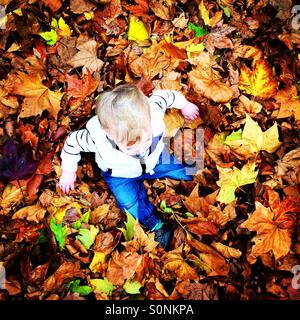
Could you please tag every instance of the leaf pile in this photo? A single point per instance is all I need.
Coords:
(237, 232)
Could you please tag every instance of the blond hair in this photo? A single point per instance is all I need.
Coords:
(125, 110)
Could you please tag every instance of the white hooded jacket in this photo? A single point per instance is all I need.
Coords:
(107, 155)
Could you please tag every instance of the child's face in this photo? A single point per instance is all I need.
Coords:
(134, 147)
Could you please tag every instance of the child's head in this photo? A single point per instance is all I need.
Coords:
(124, 114)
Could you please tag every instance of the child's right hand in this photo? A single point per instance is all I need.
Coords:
(67, 181)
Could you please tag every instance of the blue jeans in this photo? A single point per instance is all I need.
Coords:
(131, 195)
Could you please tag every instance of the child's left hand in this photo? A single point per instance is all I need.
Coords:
(190, 111)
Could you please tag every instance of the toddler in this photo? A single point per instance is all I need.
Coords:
(126, 135)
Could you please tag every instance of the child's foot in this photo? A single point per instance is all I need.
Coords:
(164, 235)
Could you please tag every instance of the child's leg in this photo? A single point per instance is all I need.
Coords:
(131, 195)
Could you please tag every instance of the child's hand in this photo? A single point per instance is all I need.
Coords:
(190, 111)
(66, 181)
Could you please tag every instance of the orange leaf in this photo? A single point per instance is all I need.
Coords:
(54, 5)
(38, 97)
(81, 88)
(175, 263)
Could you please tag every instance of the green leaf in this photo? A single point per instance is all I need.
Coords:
(235, 135)
(226, 11)
(49, 36)
(164, 208)
(87, 236)
(59, 231)
(128, 232)
(74, 286)
(103, 285)
(198, 31)
(132, 287)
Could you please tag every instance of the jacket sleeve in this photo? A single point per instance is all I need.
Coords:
(76, 142)
(166, 99)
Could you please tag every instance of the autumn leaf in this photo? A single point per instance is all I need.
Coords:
(226, 251)
(103, 285)
(87, 236)
(207, 81)
(259, 82)
(33, 213)
(270, 236)
(253, 139)
(132, 287)
(38, 97)
(137, 30)
(53, 5)
(204, 14)
(209, 260)
(98, 263)
(231, 179)
(66, 272)
(74, 286)
(87, 56)
(81, 88)
(174, 262)
(122, 266)
(140, 9)
(287, 103)
(141, 240)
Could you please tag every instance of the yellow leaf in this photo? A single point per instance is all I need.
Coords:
(226, 251)
(231, 179)
(254, 139)
(33, 213)
(98, 263)
(63, 29)
(270, 235)
(173, 121)
(204, 13)
(175, 263)
(258, 82)
(137, 30)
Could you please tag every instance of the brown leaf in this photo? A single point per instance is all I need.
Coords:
(66, 272)
(33, 213)
(122, 266)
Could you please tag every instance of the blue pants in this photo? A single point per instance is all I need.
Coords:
(131, 195)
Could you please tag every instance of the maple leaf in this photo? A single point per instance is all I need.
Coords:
(253, 139)
(16, 163)
(103, 285)
(38, 97)
(87, 56)
(247, 106)
(174, 262)
(132, 287)
(287, 103)
(87, 236)
(270, 233)
(207, 81)
(259, 82)
(150, 63)
(231, 179)
(81, 88)
(122, 266)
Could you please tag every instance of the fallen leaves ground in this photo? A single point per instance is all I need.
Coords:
(237, 232)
